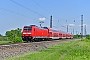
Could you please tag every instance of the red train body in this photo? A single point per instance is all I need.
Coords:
(34, 33)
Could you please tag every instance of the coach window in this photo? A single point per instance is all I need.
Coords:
(60, 34)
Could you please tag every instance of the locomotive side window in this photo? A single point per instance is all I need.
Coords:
(34, 29)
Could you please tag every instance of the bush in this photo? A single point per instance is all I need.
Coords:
(14, 35)
(88, 37)
(76, 36)
(17, 39)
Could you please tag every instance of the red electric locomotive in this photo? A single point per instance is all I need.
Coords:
(34, 33)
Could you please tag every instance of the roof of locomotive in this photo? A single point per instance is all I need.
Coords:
(30, 26)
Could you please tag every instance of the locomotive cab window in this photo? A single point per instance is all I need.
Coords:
(28, 28)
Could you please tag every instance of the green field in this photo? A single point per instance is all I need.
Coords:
(5, 42)
(73, 50)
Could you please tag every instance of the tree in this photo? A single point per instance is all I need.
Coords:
(14, 35)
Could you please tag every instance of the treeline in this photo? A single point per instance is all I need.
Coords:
(12, 35)
(77, 36)
(88, 37)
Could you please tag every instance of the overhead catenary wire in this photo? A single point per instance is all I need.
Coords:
(16, 13)
(41, 6)
(33, 10)
(28, 8)
(45, 9)
(52, 14)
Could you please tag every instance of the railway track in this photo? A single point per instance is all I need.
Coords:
(21, 48)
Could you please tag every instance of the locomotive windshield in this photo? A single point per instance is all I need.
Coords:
(27, 28)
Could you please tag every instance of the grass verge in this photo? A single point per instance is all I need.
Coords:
(5, 42)
(73, 50)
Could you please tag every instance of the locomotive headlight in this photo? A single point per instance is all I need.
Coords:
(24, 33)
(28, 33)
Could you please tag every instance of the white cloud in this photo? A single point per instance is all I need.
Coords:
(71, 25)
(42, 19)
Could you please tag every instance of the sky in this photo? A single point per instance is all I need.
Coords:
(18, 13)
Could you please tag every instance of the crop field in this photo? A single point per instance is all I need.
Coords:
(73, 50)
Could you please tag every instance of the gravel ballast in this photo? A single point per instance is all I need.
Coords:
(17, 49)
